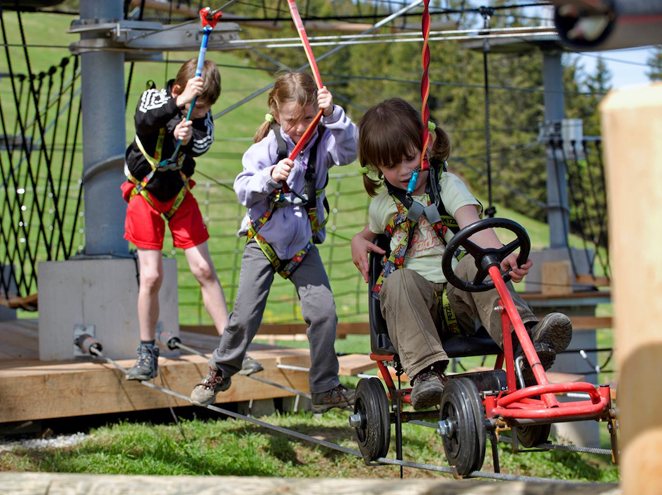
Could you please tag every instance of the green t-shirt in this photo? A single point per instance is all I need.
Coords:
(426, 250)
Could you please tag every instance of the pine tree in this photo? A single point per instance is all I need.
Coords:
(655, 64)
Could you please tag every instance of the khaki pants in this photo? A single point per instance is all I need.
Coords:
(412, 308)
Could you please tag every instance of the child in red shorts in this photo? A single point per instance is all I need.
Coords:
(158, 191)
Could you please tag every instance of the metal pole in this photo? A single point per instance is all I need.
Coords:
(557, 196)
(104, 137)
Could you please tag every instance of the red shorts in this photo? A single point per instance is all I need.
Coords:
(145, 226)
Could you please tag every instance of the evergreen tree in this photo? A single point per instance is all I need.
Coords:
(655, 64)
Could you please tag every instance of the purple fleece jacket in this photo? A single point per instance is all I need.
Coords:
(288, 230)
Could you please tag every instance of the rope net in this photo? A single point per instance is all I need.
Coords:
(41, 193)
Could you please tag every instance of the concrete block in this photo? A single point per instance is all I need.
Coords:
(102, 293)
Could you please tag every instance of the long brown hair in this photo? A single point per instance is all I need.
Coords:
(298, 87)
(211, 88)
(390, 131)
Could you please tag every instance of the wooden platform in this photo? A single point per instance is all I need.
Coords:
(31, 389)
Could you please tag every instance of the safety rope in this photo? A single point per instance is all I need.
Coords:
(490, 211)
(94, 349)
(303, 140)
(209, 19)
(173, 342)
(425, 94)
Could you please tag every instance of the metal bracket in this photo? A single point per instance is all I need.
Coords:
(80, 329)
(139, 36)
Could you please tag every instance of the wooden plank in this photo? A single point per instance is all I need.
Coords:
(556, 278)
(591, 322)
(587, 279)
(575, 296)
(36, 390)
(353, 364)
(272, 329)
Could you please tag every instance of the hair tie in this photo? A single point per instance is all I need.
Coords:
(431, 126)
(364, 170)
(268, 117)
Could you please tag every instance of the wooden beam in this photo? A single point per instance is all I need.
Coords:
(593, 280)
(88, 484)
(353, 364)
(631, 126)
(33, 390)
(28, 303)
(271, 329)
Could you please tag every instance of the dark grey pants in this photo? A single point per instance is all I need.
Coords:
(317, 307)
(411, 306)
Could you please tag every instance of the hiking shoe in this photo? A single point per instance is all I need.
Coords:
(147, 364)
(550, 336)
(339, 396)
(428, 385)
(204, 393)
(250, 366)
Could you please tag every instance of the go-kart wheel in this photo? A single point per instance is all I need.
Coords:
(461, 426)
(371, 420)
(532, 435)
(484, 257)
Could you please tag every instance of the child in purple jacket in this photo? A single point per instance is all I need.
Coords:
(286, 216)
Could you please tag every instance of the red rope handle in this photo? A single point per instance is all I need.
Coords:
(316, 74)
(425, 83)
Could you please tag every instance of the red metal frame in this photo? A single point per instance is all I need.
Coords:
(524, 403)
(534, 404)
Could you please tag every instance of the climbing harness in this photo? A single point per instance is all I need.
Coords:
(140, 188)
(406, 218)
(285, 268)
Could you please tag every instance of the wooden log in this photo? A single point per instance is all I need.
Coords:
(632, 126)
(88, 484)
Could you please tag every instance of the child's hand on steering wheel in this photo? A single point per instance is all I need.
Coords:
(517, 273)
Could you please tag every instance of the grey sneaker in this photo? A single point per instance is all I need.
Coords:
(250, 366)
(428, 387)
(550, 336)
(339, 396)
(204, 393)
(147, 364)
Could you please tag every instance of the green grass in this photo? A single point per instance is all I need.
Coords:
(231, 447)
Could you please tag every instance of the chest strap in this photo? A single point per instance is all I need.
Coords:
(285, 268)
(155, 161)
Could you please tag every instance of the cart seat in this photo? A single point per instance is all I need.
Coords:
(456, 346)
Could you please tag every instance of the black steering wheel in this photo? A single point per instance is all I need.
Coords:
(484, 257)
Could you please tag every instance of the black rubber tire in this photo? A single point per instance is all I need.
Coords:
(374, 434)
(462, 408)
(532, 435)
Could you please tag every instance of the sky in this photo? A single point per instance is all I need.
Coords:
(627, 67)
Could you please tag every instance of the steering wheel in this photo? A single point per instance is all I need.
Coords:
(484, 257)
